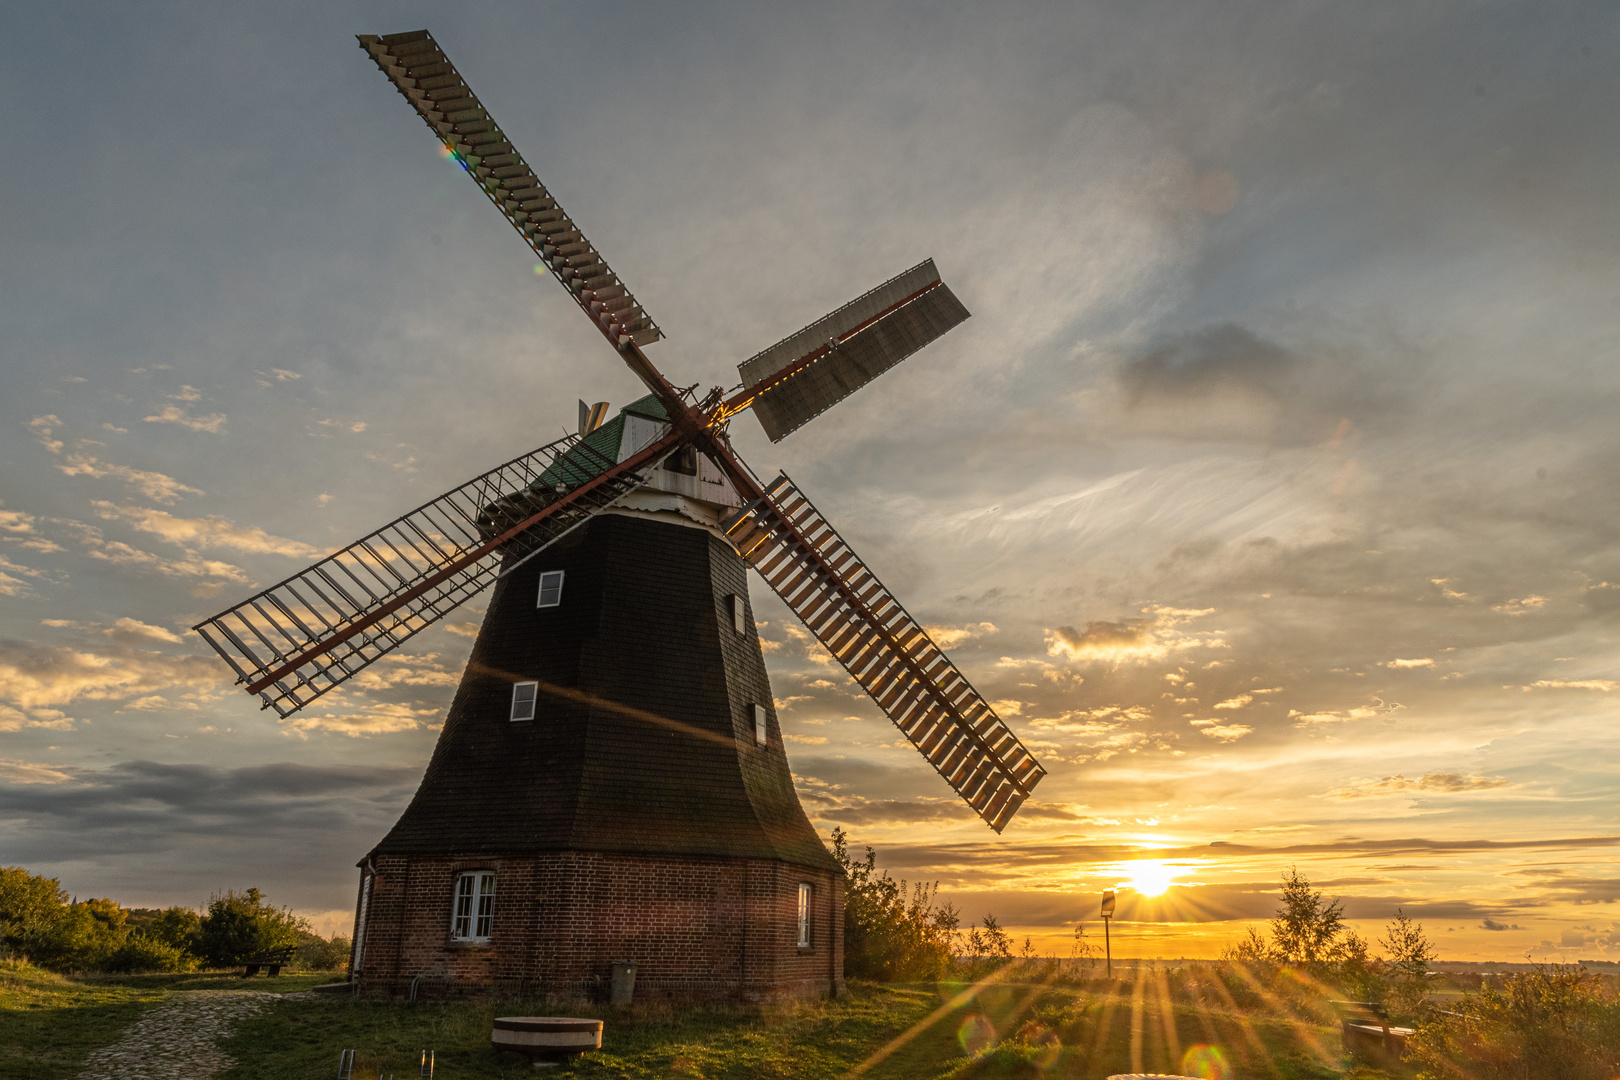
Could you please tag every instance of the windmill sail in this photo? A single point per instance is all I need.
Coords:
(300, 638)
(861, 623)
(809, 372)
(418, 68)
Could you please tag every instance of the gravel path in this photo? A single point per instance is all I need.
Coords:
(178, 1039)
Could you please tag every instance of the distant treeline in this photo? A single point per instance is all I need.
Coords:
(39, 922)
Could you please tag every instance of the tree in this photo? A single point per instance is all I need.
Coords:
(1306, 929)
(240, 924)
(1410, 951)
(31, 905)
(997, 943)
(1410, 955)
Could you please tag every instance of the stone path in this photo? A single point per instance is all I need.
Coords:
(177, 1040)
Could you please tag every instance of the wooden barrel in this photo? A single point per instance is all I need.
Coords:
(546, 1038)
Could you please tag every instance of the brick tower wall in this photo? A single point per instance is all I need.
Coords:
(697, 929)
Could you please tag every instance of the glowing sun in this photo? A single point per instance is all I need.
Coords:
(1150, 878)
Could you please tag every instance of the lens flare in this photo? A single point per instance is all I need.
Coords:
(1150, 878)
(975, 1034)
(1206, 1062)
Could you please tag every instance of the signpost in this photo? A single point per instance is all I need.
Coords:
(1108, 914)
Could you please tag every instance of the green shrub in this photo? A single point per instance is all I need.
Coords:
(318, 954)
(890, 931)
(1554, 1022)
(240, 924)
(142, 953)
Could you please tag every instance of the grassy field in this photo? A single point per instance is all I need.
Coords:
(1004, 1027)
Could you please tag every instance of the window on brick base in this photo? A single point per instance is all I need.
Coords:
(473, 916)
(804, 915)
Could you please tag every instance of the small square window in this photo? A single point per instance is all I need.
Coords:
(739, 613)
(759, 724)
(804, 915)
(523, 695)
(472, 916)
(550, 588)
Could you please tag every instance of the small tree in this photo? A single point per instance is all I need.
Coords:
(240, 924)
(1410, 954)
(997, 943)
(1305, 929)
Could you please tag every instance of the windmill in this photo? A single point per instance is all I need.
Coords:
(592, 513)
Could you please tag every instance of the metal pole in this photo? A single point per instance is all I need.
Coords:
(1107, 913)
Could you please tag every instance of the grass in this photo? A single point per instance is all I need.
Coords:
(947, 1031)
(50, 1022)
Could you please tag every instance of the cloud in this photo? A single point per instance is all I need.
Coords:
(34, 677)
(1604, 596)
(1492, 924)
(205, 532)
(24, 772)
(1236, 702)
(14, 586)
(118, 553)
(1443, 783)
(381, 719)
(1361, 712)
(283, 375)
(950, 636)
(1222, 732)
(145, 630)
(1151, 638)
(1424, 662)
(1604, 685)
(174, 833)
(406, 669)
(213, 423)
(1519, 607)
(43, 427)
(1204, 362)
(1444, 585)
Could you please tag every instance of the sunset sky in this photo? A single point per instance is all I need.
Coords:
(1272, 492)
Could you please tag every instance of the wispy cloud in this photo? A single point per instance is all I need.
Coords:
(1604, 685)
(205, 532)
(1442, 783)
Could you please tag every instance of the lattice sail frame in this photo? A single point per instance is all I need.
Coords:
(807, 373)
(864, 626)
(418, 68)
(303, 636)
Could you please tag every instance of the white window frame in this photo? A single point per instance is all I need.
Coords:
(472, 906)
(518, 702)
(806, 893)
(554, 578)
(739, 613)
(761, 725)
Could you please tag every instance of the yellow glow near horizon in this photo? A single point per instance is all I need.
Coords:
(1150, 877)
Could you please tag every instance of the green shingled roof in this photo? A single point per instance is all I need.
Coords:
(599, 450)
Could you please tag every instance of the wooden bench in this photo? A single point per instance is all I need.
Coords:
(1365, 1030)
(269, 958)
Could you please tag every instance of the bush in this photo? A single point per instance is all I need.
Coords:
(318, 954)
(240, 924)
(890, 931)
(142, 953)
(1554, 1022)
